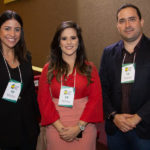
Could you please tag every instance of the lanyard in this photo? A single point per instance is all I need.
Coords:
(9, 71)
(125, 57)
(61, 83)
(74, 79)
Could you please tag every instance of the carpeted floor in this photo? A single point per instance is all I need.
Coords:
(100, 146)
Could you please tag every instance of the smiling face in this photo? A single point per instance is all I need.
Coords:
(129, 25)
(69, 42)
(10, 33)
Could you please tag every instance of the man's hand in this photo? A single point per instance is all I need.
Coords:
(121, 121)
(134, 120)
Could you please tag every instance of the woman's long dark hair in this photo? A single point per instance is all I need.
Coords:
(57, 65)
(20, 50)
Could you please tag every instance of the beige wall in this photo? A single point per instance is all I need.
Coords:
(96, 17)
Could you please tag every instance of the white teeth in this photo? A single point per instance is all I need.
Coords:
(11, 40)
(69, 47)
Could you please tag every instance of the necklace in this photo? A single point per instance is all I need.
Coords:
(13, 62)
(9, 59)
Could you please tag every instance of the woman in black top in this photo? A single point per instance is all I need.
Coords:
(18, 106)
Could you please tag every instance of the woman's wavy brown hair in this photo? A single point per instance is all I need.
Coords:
(57, 66)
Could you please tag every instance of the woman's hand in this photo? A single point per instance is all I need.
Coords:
(70, 133)
(59, 126)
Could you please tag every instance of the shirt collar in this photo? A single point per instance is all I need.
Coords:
(138, 46)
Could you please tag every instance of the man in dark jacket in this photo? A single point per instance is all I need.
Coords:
(125, 78)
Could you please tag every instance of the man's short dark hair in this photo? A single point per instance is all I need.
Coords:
(129, 5)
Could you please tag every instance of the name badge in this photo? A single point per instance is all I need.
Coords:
(12, 91)
(128, 73)
(66, 97)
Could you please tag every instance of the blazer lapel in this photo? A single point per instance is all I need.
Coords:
(118, 59)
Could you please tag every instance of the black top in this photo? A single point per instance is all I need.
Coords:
(126, 87)
(21, 118)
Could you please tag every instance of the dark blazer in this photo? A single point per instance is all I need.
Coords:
(18, 120)
(139, 101)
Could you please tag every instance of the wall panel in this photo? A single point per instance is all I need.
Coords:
(96, 17)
